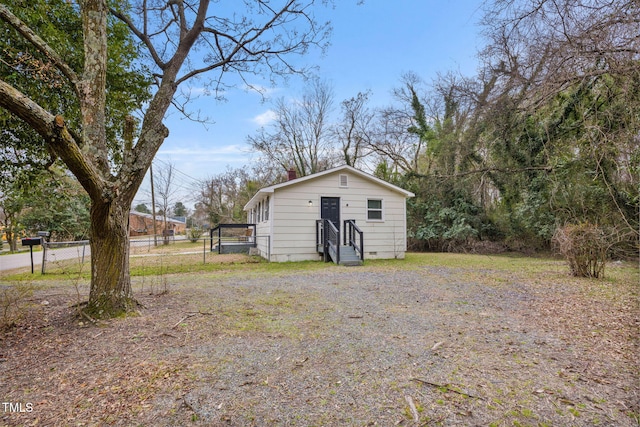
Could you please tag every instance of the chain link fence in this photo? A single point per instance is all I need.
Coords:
(147, 251)
(65, 255)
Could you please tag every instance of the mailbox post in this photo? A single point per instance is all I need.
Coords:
(31, 242)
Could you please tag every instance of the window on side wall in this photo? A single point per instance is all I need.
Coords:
(266, 209)
(374, 210)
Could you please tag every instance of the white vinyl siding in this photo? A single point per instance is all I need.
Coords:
(294, 220)
(287, 229)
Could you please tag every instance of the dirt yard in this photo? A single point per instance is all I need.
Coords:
(471, 341)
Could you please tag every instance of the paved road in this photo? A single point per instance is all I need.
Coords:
(23, 259)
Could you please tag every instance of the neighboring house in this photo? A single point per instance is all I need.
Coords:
(287, 216)
(141, 224)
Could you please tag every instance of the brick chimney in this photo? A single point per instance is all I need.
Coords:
(292, 174)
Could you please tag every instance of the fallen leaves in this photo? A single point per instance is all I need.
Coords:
(519, 349)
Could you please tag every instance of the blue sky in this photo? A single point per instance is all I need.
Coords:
(372, 45)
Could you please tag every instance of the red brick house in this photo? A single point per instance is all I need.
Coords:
(141, 224)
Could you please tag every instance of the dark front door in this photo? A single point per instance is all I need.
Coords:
(330, 209)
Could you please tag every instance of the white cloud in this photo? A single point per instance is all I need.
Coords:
(198, 91)
(265, 118)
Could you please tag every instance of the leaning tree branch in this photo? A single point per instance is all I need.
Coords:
(41, 45)
(56, 136)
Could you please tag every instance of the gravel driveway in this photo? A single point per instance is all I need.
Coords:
(341, 347)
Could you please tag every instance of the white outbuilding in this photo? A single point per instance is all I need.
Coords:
(342, 214)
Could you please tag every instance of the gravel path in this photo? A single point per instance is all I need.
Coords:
(341, 347)
(347, 348)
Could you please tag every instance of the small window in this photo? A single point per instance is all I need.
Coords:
(374, 210)
(266, 209)
(344, 180)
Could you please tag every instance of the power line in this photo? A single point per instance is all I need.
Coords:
(183, 183)
(177, 170)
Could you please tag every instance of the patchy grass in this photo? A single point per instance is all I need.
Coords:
(467, 339)
(165, 261)
(179, 258)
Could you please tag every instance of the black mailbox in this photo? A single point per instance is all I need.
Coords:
(32, 241)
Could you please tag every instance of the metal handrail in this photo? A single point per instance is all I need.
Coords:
(350, 231)
(218, 230)
(332, 238)
(328, 236)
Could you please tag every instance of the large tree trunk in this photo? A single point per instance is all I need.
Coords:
(110, 293)
(245, 46)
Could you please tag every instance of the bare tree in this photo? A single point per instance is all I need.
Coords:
(560, 82)
(165, 188)
(397, 137)
(392, 142)
(355, 131)
(259, 41)
(221, 198)
(300, 135)
(551, 44)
